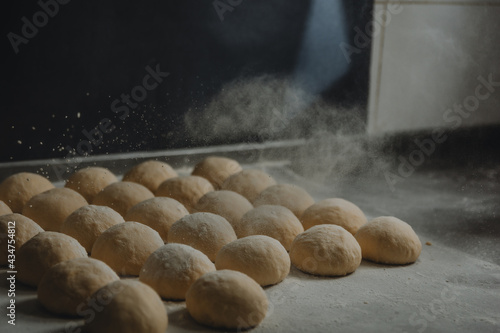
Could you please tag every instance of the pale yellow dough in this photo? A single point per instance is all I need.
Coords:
(334, 211)
(128, 306)
(87, 223)
(216, 169)
(121, 196)
(389, 240)
(249, 183)
(205, 232)
(227, 299)
(17, 189)
(66, 286)
(25, 229)
(4, 209)
(42, 252)
(262, 258)
(158, 213)
(90, 181)
(50, 208)
(126, 246)
(173, 268)
(327, 250)
(187, 190)
(290, 196)
(150, 174)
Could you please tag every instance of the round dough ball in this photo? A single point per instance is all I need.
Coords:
(334, 211)
(17, 189)
(173, 268)
(228, 204)
(150, 174)
(290, 196)
(187, 190)
(121, 196)
(157, 213)
(87, 223)
(227, 299)
(4, 209)
(128, 306)
(126, 246)
(68, 284)
(42, 252)
(216, 169)
(249, 183)
(50, 208)
(326, 249)
(25, 229)
(277, 222)
(205, 232)
(90, 181)
(262, 258)
(388, 240)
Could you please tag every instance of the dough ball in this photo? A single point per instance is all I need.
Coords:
(326, 249)
(334, 211)
(25, 229)
(388, 240)
(150, 174)
(50, 208)
(4, 209)
(205, 232)
(128, 306)
(121, 196)
(66, 286)
(228, 204)
(173, 268)
(90, 181)
(158, 213)
(262, 258)
(277, 222)
(216, 169)
(87, 223)
(17, 189)
(249, 183)
(42, 252)
(290, 196)
(227, 299)
(126, 246)
(187, 190)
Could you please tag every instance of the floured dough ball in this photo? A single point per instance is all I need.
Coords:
(121, 196)
(227, 299)
(277, 222)
(42, 252)
(17, 189)
(50, 208)
(228, 204)
(290, 196)
(4, 209)
(205, 232)
(150, 174)
(90, 181)
(66, 286)
(173, 268)
(388, 240)
(158, 213)
(327, 250)
(128, 306)
(216, 169)
(262, 258)
(87, 223)
(126, 246)
(248, 183)
(22, 230)
(334, 211)
(187, 190)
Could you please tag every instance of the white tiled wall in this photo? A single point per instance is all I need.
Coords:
(426, 60)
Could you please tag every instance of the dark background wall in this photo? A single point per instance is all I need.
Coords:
(66, 77)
